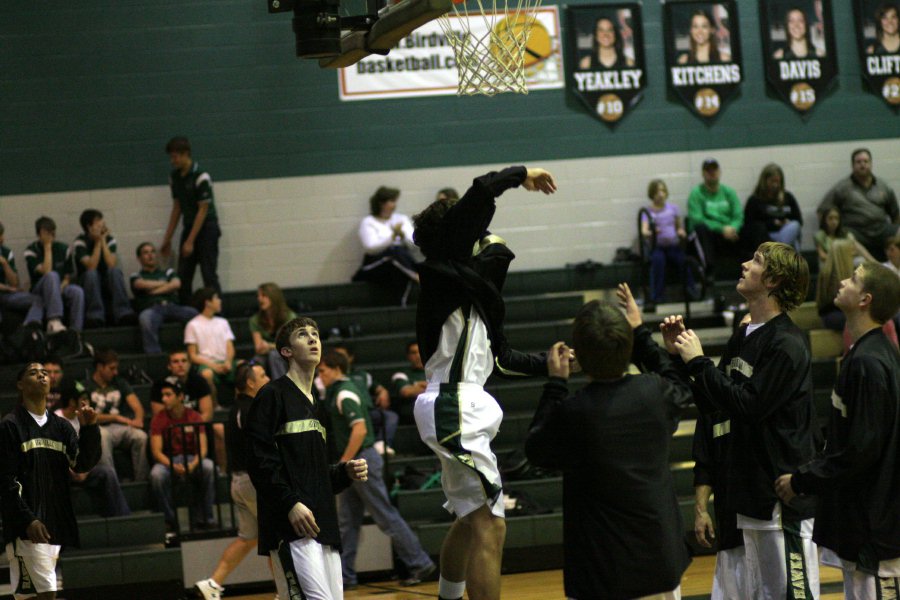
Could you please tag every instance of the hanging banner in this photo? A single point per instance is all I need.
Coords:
(878, 36)
(605, 53)
(799, 50)
(422, 64)
(703, 53)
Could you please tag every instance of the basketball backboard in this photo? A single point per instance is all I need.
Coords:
(394, 23)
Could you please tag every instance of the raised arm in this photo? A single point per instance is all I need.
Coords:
(545, 443)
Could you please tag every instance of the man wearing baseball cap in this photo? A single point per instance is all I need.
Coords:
(715, 215)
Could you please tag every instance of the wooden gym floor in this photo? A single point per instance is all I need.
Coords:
(547, 585)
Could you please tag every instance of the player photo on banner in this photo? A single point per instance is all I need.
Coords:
(799, 51)
(606, 58)
(703, 53)
(878, 34)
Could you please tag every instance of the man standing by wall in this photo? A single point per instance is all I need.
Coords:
(868, 206)
(192, 197)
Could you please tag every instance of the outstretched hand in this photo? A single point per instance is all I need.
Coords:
(627, 303)
(688, 345)
(558, 358)
(671, 328)
(539, 180)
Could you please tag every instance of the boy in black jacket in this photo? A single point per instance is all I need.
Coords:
(295, 484)
(37, 449)
(858, 477)
(622, 527)
(764, 383)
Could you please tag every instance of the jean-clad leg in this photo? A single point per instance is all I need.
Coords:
(74, 297)
(115, 283)
(93, 295)
(207, 250)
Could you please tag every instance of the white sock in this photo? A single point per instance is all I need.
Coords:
(451, 589)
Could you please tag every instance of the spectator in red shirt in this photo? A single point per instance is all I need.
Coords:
(180, 450)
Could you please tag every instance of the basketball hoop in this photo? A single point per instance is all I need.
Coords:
(489, 44)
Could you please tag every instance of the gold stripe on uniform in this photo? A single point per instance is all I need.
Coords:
(723, 428)
(36, 443)
(302, 426)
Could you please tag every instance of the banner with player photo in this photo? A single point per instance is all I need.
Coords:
(799, 50)
(703, 53)
(606, 58)
(878, 35)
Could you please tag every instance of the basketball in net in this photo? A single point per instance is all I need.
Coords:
(490, 44)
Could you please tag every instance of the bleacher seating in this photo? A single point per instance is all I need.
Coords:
(540, 305)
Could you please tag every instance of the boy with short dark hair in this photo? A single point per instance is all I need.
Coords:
(289, 467)
(180, 450)
(156, 297)
(622, 526)
(857, 478)
(351, 427)
(96, 266)
(192, 197)
(209, 340)
(37, 449)
(50, 270)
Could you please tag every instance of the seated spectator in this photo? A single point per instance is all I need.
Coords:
(448, 194)
(716, 216)
(772, 213)
(830, 231)
(156, 297)
(96, 267)
(119, 412)
(180, 450)
(352, 430)
(386, 236)
(408, 383)
(868, 206)
(273, 313)
(384, 420)
(667, 232)
(247, 380)
(50, 269)
(197, 393)
(837, 266)
(210, 341)
(11, 297)
(101, 481)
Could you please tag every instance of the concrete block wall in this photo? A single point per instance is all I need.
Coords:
(300, 231)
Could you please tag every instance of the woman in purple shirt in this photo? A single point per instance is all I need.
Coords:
(664, 231)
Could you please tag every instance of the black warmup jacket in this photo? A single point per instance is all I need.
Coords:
(764, 382)
(712, 443)
(623, 535)
(466, 267)
(288, 463)
(857, 478)
(34, 473)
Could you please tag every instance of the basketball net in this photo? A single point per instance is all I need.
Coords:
(489, 44)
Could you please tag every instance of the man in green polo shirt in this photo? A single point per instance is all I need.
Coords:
(715, 215)
(192, 197)
(156, 297)
(50, 270)
(11, 297)
(97, 268)
(352, 431)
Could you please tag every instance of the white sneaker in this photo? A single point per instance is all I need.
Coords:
(209, 589)
(55, 326)
(379, 446)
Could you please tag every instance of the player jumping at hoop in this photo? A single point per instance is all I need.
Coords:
(459, 325)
